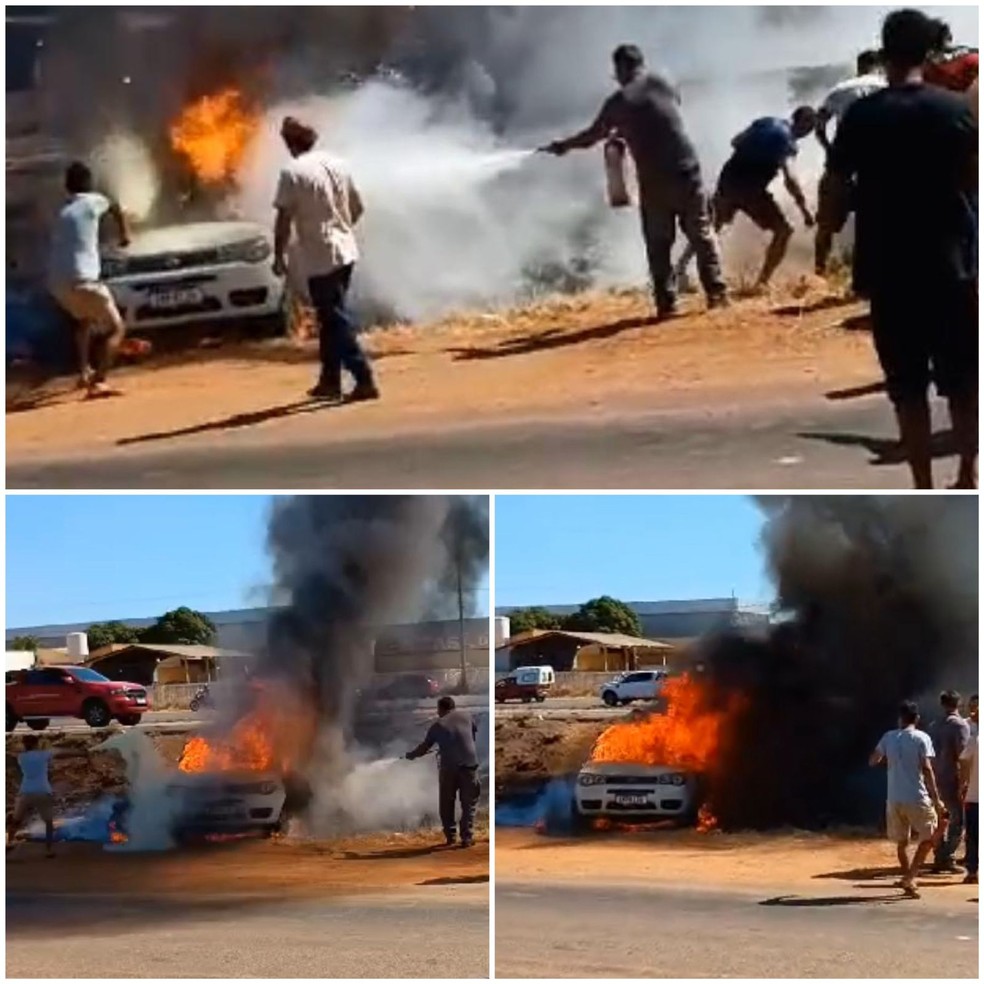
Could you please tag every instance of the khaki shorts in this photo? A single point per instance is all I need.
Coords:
(43, 804)
(91, 304)
(903, 818)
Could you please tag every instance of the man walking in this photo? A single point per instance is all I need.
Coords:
(73, 277)
(454, 734)
(910, 153)
(970, 788)
(912, 801)
(950, 738)
(317, 198)
(35, 795)
(645, 113)
(760, 153)
(832, 207)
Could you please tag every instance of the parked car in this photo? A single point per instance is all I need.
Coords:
(630, 791)
(198, 272)
(408, 686)
(36, 696)
(525, 683)
(637, 685)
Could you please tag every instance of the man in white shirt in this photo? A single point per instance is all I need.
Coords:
(35, 795)
(832, 210)
(317, 198)
(73, 277)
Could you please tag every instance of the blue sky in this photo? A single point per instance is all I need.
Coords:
(90, 558)
(567, 549)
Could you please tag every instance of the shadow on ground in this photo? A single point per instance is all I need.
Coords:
(459, 880)
(833, 900)
(883, 451)
(552, 339)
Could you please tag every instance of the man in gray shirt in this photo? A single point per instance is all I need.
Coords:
(912, 800)
(950, 737)
(454, 734)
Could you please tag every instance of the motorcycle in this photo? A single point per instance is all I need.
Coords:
(202, 698)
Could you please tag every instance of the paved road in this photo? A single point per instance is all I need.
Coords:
(433, 931)
(564, 930)
(814, 443)
(569, 708)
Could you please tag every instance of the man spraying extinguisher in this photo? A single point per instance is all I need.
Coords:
(645, 114)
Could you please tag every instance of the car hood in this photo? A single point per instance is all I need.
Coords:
(627, 768)
(191, 237)
(111, 685)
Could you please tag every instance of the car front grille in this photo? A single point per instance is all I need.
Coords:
(135, 692)
(168, 262)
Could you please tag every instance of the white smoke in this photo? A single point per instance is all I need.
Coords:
(125, 167)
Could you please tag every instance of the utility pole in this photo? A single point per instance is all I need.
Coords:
(463, 682)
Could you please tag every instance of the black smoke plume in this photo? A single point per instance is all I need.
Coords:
(877, 602)
(347, 566)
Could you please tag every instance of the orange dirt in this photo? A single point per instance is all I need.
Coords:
(587, 354)
(273, 867)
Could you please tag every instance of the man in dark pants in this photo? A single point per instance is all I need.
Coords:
(457, 778)
(911, 152)
(970, 788)
(645, 112)
(318, 199)
(760, 153)
(950, 738)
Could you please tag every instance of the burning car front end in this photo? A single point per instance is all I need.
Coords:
(199, 272)
(632, 792)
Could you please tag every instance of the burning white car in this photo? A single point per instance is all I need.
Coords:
(632, 792)
(196, 273)
(227, 802)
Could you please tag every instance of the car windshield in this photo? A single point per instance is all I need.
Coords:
(89, 676)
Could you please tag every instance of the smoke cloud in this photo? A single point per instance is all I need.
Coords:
(878, 602)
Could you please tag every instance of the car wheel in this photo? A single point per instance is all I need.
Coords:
(129, 719)
(12, 720)
(38, 724)
(610, 698)
(194, 705)
(526, 700)
(96, 714)
(540, 699)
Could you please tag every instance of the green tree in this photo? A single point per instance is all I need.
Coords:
(27, 644)
(111, 633)
(180, 627)
(526, 619)
(604, 614)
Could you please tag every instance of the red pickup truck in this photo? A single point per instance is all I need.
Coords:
(35, 696)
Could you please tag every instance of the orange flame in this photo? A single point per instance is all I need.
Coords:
(214, 133)
(687, 735)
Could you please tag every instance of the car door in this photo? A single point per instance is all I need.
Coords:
(633, 686)
(58, 693)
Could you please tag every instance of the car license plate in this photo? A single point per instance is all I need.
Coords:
(140, 700)
(162, 300)
(225, 813)
(628, 800)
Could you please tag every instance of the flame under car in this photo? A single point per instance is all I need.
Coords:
(630, 792)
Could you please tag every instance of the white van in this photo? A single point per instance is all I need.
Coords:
(525, 683)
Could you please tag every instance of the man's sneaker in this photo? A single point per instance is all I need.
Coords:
(946, 868)
(449, 840)
(667, 313)
(468, 843)
(970, 879)
(363, 391)
(331, 394)
(718, 302)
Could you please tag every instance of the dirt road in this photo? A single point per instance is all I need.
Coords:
(681, 904)
(380, 906)
(579, 391)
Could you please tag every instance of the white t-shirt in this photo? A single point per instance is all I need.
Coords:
(317, 192)
(34, 769)
(74, 254)
(849, 91)
(969, 754)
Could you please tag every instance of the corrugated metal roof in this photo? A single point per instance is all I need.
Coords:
(613, 639)
(185, 652)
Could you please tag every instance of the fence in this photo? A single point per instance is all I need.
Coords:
(177, 696)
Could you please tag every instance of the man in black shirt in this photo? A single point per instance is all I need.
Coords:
(645, 113)
(454, 734)
(911, 152)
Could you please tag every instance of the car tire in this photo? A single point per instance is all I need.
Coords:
(526, 700)
(12, 720)
(129, 719)
(96, 714)
(194, 705)
(38, 724)
(540, 699)
(610, 698)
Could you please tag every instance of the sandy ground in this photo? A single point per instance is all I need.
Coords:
(573, 355)
(791, 861)
(530, 749)
(275, 868)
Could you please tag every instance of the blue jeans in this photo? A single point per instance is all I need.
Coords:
(338, 343)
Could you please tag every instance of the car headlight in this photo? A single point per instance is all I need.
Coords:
(112, 266)
(117, 691)
(268, 788)
(251, 251)
(590, 779)
(678, 779)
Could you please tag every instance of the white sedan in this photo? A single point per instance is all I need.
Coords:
(632, 792)
(198, 272)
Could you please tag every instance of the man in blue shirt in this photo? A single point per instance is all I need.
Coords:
(912, 802)
(759, 154)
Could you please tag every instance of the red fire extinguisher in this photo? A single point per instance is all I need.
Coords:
(616, 172)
